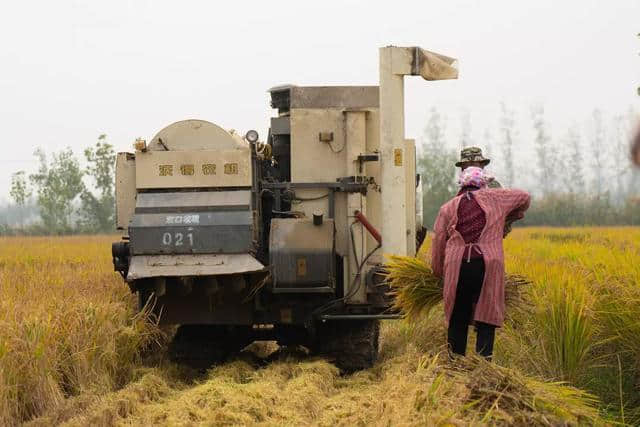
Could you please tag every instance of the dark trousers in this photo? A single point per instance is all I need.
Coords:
(467, 294)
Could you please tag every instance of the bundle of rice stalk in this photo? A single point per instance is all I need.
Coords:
(416, 290)
(507, 396)
(414, 287)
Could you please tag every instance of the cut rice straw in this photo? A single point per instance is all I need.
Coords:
(416, 290)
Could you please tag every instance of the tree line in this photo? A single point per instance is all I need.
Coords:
(582, 177)
(67, 196)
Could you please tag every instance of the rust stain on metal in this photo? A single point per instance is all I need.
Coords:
(302, 267)
(397, 156)
(325, 136)
(286, 315)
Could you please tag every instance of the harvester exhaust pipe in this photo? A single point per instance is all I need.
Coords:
(395, 63)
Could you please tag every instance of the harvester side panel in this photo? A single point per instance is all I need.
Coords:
(343, 97)
(326, 145)
(374, 197)
(125, 189)
(301, 253)
(410, 194)
(212, 222)
(194, 169)
(196, 232)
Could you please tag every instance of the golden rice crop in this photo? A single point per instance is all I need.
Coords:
(67, 324)
(581, 318)
(585, 312)
(72, 349)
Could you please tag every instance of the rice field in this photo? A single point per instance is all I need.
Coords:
(73, 351)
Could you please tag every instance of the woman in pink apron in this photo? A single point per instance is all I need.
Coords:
(467, 253)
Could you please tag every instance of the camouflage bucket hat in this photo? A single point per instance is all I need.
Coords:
(472, 154)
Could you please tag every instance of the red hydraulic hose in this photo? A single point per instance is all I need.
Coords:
(370, 228)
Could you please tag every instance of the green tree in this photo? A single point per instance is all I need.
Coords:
(20, 191)
(98, 211)
(57, 184)
(619, 157)
(507, 130)
(465, 129)
(575, 162)
(436, 167)
(549, 162)
(598, 150)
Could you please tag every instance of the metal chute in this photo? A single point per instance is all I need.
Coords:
(434, 66)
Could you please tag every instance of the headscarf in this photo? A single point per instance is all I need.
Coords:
(474, 176)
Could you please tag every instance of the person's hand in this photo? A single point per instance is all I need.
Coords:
(507, 229)
(508, 224)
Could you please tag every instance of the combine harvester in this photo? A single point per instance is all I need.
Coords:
(238, 240)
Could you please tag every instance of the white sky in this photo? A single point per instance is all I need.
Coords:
(72, 69)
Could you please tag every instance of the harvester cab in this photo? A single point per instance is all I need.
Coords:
(237, 239)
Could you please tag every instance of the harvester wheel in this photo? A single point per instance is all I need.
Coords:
(201, 346)
(352, 345)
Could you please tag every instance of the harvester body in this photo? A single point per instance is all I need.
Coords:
(237, 239)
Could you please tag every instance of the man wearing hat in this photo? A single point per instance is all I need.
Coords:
(472, 156)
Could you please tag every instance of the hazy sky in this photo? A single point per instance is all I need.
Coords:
(71, 70)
